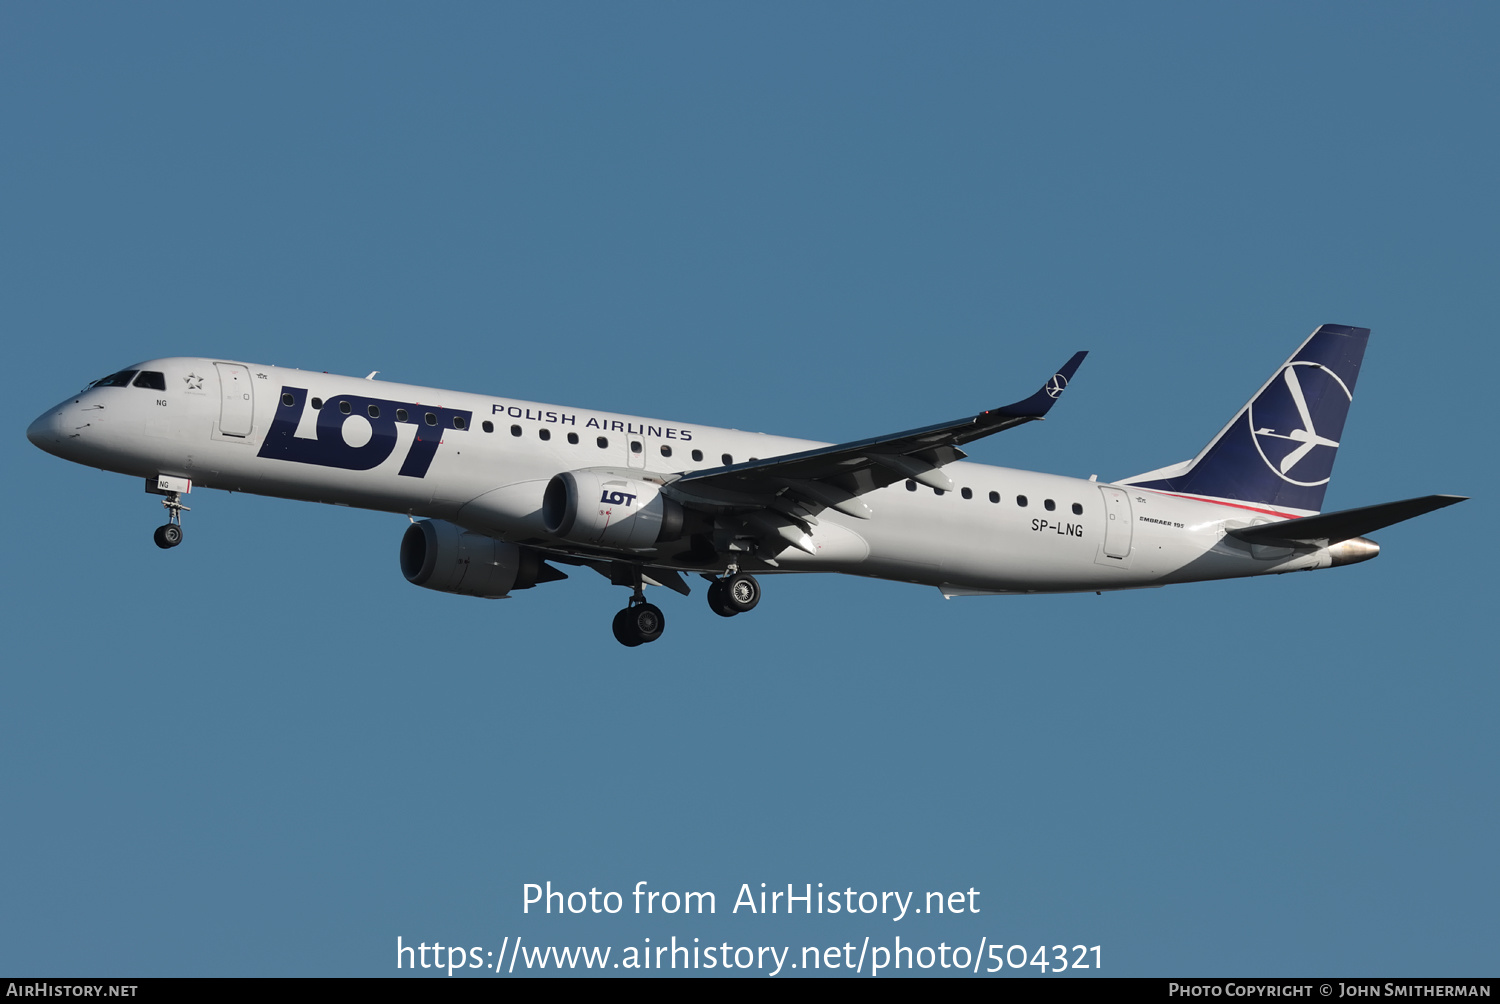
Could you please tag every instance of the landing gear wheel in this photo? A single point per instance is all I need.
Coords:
(623, 634)
(168, 534)
(741, 592)
(716, 601)
(638, 624)
(648, 621)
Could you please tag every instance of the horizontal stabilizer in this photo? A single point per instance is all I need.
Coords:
(1332, 527)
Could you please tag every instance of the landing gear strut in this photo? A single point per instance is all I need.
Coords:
(169, 534)
(734, 594)
(640, 622)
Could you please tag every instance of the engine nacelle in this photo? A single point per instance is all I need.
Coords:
(607, 509)
(450, 559)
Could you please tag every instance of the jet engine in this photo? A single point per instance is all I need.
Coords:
(608, 509)
(450, 559)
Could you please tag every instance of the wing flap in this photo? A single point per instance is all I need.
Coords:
(831, 496)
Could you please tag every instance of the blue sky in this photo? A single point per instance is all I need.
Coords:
(264, 753)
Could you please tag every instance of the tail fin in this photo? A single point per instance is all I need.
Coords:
(1279, 449)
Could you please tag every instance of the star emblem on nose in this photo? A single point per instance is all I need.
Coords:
(193, 381)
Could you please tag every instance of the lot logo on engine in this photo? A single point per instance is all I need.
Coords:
(359, 433)
(617, 498)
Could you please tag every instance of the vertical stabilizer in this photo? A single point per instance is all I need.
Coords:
(1279, 449)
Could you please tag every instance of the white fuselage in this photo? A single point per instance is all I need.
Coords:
(484, 462)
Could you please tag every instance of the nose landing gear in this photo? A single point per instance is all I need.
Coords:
(169, 534)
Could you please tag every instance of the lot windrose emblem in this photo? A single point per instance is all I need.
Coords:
(1289, 441)
(1056, 385)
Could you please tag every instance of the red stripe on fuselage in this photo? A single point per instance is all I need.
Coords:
(1231, 505)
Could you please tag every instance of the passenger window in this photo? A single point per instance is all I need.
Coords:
(1021, 501)
(967, 493)
(603, 443)
(151, 380)
(573, 438)
(698, 456)
(911, 486)
(374, 411)
(345, 407)
(666, 451)
(430, 418)
(544, 434)
(728, 460)
(288, 400)
(994, 496)
(458, 422)
(515, 430)
(317, 404)
(1049, 505)
(1077, 509)
(401, 416)
(635, 446)
(487, 426)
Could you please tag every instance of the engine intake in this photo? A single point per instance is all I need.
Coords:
(450, 559)
(606, 509)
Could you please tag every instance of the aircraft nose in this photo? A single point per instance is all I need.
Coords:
(43, 431)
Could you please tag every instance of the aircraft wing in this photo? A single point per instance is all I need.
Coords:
(782, 495)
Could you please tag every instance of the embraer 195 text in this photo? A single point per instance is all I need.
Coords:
(505, 487)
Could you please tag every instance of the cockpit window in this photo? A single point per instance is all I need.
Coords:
(151, 380)
(120, 379)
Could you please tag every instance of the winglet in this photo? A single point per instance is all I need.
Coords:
(1038, 404)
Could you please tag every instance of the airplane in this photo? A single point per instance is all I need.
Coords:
(500, 491)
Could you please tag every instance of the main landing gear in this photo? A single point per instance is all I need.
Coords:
(734, 594)
(643, 622)
(640, 622)
(169, 534)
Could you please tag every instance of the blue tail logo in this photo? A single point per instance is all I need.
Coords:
(1279, 450)
(1285, 429)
